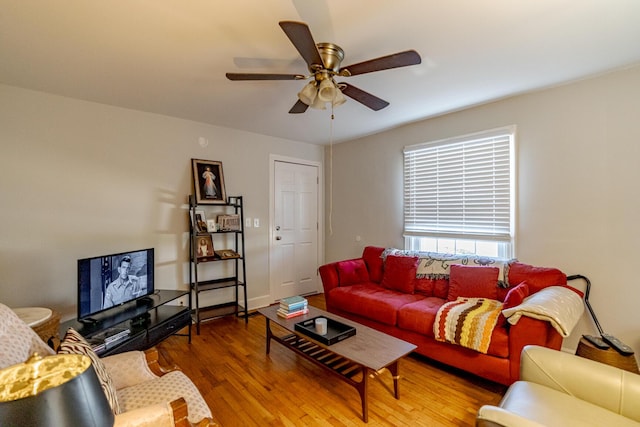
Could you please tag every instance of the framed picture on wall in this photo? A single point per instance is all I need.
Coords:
(208, 182)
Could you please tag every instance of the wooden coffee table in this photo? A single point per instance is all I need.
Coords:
(352, 360)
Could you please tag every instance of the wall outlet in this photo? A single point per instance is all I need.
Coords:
(256, 222)
(247, 222)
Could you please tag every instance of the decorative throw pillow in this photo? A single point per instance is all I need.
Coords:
(74, 343)
(352, 271)
(516, 295)
(400, 273)
(473, 282)
(537, 278)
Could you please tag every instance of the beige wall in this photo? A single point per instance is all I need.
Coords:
(80, 179)
(578, 200)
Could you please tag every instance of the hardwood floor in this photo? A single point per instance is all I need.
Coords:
(244, 386)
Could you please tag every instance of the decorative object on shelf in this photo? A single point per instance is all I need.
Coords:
(229, 222)
(204, 247)
(212, 226)
(208, 182)
(227, 254)
(201, 221)
(55, 390)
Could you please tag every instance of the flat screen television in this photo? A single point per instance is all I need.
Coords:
(109, 281)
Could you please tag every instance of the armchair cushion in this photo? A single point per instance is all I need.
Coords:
(158, 415)
(74, 343)
(166, 388)
(128, 368)
(561, 389)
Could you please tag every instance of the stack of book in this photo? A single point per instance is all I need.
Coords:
(292, 307)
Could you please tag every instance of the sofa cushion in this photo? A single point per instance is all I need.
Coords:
(537, 278)
(352, 271)
(74, 343)
(516, 295)
(400, 273)
(419, 317)
(372, 256)
(473, 282)
(371, 301)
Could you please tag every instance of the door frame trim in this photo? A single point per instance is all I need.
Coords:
(273, 158)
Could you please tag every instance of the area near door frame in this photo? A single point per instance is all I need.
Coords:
(273, 158)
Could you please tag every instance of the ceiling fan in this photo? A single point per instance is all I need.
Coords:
(323, 60)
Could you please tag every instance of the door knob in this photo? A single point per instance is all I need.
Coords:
(277, 228)
(278, 238)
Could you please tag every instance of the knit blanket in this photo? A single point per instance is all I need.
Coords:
(468, 322)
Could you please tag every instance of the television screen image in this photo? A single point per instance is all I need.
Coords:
(112, 280)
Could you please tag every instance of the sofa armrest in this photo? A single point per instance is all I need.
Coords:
(494, 416)
(329, 276)
(609, 387)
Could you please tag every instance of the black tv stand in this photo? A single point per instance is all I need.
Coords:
(149, 322)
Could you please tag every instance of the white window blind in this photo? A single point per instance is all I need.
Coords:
(460, 187)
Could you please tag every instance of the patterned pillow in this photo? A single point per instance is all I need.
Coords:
(74, 343)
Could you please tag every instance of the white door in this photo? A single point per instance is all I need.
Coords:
(294, 245)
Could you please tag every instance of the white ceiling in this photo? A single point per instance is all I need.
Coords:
(170, 56)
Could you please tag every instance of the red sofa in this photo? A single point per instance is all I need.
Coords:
(384, 293)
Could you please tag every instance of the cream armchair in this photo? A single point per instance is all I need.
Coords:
(147, 395)
(560, 389)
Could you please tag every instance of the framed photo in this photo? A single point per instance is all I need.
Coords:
(200, 221)
(208, 182)
(204, 247)
(212, 226)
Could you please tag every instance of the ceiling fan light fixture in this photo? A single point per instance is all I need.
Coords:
(308, 93)
(318, 104)
(327, 90)
(339, 99)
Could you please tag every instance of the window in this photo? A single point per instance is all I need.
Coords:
(459, 194)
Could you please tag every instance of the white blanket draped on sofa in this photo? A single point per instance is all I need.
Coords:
(558, 305)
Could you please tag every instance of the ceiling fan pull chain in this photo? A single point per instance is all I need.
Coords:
(331, 172)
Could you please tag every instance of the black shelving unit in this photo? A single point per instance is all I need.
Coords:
(210, 281)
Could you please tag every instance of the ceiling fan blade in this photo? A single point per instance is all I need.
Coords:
(298, 107)
(258, 76)
(400, 59)
(300, 35)
(363, 97)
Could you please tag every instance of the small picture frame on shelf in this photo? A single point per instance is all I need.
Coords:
(208, 182)
(204, 247)
(212, 226)
(229, 222)
(199, 223)
(227, 254)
